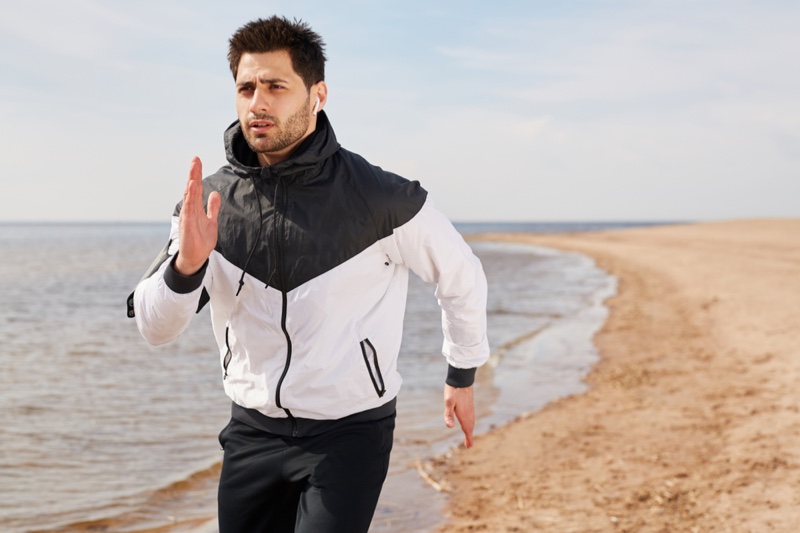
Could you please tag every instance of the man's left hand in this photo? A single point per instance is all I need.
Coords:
(459, 403)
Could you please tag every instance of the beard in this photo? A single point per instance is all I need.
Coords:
(285, 134)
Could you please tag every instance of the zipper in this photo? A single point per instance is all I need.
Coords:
(278, 226)
(227, 360)
(374, 369)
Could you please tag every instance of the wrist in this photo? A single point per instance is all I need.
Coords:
(185, 268)
(183, 284)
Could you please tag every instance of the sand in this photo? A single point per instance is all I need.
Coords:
(692, 417)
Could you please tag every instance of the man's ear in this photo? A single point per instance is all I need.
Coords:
(320, 94)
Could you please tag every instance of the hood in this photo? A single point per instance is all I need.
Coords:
(311, 153)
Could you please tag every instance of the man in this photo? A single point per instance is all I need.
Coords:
(303, 252)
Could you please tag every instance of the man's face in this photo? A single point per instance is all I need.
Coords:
(273, 105)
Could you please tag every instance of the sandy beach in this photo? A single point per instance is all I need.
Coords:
(692, 418)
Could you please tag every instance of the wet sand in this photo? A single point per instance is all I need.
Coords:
(692, 419)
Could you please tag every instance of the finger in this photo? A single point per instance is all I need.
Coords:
(193, 196)
(195, 173)
(196, 169)
(466, 419)
(465, 412)
(214, 204)
(467, 427)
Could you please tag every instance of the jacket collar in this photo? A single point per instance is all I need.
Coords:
(314, 150)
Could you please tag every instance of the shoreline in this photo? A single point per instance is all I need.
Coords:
(690, 422)
(527, 321)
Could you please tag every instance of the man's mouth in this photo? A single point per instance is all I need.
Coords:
(260, 125)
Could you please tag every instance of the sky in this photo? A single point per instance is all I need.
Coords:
(616, 110)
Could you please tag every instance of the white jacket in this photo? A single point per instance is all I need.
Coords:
(323, 243)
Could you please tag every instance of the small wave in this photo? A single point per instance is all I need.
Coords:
(178, 507)
(497, 355)
(500, 311)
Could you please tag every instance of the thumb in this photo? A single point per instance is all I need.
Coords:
(449, 414)
(214, 204)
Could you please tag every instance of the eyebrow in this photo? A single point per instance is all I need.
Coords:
(265, 81)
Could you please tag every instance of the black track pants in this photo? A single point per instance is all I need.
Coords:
(327, 483)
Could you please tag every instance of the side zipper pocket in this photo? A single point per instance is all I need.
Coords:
(227, 360)
(374, 369)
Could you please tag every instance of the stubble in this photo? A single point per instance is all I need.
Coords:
(287, 133)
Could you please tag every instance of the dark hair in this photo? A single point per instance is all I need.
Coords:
(305, 47)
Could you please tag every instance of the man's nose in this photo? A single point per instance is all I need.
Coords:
(260, 102)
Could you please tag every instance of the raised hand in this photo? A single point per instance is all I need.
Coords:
(198, 229)
(459, 403)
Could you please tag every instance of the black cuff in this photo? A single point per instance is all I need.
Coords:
(183, 284)
(460, 377)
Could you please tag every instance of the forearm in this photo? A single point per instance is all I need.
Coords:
(165, 303)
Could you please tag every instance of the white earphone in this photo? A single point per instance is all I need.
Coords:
(316, 108)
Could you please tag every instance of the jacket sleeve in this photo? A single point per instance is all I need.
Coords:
(433, 249)
(164, 300)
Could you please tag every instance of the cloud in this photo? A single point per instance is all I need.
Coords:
(523, 111)
(472, 57)
(667, 50)
(80, 29)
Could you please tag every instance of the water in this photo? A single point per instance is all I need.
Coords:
(100, 431)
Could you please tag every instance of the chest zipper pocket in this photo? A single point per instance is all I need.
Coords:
(374, 369)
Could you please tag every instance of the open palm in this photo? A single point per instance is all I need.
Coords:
(197, 228)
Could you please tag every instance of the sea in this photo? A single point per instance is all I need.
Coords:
(101, 432)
